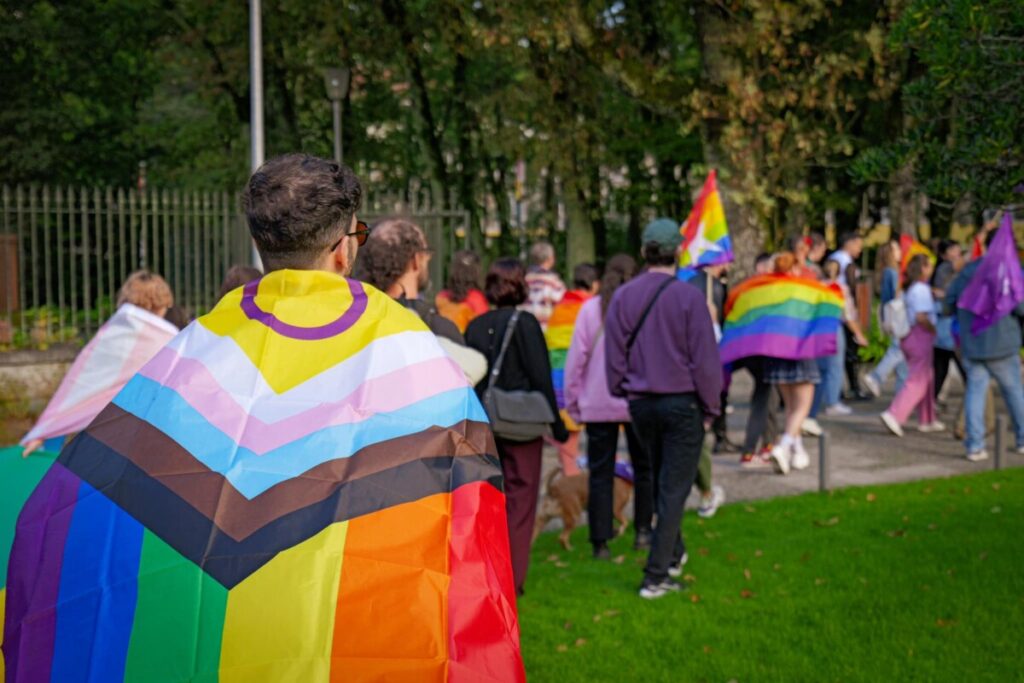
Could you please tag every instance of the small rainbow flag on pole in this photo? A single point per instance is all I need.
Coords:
(910, 248)
(781, 316)
(706, 239)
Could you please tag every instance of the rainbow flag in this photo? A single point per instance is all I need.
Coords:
(121, 346)
(706, 239)
(558, 336)
(911, 248)
(781, 316)
(300, 486)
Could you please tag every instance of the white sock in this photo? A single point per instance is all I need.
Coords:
(786, 441)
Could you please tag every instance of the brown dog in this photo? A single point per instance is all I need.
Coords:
(566, 497)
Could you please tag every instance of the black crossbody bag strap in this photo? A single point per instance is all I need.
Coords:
(643, 316)
(496, 368)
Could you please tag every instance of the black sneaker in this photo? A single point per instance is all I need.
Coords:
(643, 540)
(601, 551)
(652, 590)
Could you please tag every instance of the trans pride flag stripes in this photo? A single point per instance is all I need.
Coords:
(781, 316)
(282, 493)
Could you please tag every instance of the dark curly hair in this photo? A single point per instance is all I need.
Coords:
(297, 206)
(463, 275)
(393, 243)
(506, 283)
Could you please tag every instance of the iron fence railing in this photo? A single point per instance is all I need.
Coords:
(64, 251)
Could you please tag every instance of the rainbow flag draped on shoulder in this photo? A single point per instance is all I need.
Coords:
(911, 248)
(781, 316)
(558, 336)
(300, 486)
(706, 240)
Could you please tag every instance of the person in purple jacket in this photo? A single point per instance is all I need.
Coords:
(663, 358)
(588, 402)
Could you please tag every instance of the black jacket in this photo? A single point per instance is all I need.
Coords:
(438, 324)
(526, 366)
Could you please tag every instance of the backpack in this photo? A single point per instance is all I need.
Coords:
(894, 318)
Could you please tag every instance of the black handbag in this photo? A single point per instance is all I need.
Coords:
(515, 415)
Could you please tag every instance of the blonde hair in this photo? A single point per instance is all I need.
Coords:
(146, 290)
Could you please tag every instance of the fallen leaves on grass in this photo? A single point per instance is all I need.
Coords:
(689, 578)
(580, 642)
(746, 593)
(996, 486)
(831, 521)
(746, 574)
(703, 552)
(619, 559)
(871, 498)
(945, 623)
(750, 508)
(758, 553)
(694, 598)
(983, 555)
(776, 566)
(896, 533)
(820, 582)
(707, 649)
(612, 613)
(561, 565)
(562, 647)
(996, 510)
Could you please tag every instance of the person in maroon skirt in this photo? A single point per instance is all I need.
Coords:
(526, 367)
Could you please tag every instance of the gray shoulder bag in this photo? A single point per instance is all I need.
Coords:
(515, 415)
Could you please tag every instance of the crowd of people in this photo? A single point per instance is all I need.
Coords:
(630, 352)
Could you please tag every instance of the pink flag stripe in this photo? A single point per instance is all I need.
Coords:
(199, 388)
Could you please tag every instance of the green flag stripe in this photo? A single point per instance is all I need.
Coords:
(179, 618)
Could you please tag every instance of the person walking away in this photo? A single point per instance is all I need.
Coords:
(545, 286)
(524, 367)
(828, 393)
(396, 260)
(951, 262)
(714, 278)
(558, 336)
(463, 299)
(588, 402)
(662, 357)
(990, 346)
(338, 470)
(887, 268)
(850, 248)
(918, 348)
(124, 343)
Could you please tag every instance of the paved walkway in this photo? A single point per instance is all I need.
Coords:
(861, 451)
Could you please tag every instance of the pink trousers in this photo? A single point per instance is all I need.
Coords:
(918, 348)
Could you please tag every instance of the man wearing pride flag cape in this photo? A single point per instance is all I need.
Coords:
(301, 486)
(987, 298)
(558, 336)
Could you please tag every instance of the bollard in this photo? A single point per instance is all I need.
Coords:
(997, 458)
(823, 462)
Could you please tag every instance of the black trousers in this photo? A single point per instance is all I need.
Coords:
(602, 443)
(761, 423)
(671, 428)
(941, 363)
(851, 363)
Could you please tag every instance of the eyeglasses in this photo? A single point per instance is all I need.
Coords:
(361, 233)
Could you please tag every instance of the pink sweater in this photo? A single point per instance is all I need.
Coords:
(587, 398)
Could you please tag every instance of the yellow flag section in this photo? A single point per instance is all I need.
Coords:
(282, 617)
(298, 340)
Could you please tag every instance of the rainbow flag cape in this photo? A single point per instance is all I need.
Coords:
(122, 345)
(300, 486)
(911, 248)
(706, 239)
(781, 316)
(559, 335)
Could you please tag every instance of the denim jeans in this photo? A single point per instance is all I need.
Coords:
(1006, 372)
(892, 361)
(829, 391)
(671, 428)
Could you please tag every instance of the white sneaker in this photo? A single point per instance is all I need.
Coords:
(800, 459)
(889, 421)
(1020, 450)
(653, 591)
(977, 456)
(709, 505)
(838, 410)
(810, 427)
(933, 426)
(872, 384)
(780, 458)
(676, 570)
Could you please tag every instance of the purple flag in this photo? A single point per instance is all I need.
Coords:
(997, 286)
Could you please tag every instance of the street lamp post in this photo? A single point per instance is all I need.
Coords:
(256, 96)
(336, 81)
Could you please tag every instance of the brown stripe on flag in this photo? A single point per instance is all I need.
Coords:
(213, 495)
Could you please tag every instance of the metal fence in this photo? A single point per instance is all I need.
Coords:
(64, 252)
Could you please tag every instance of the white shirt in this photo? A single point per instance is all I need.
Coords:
(844, 260)
(919, 299)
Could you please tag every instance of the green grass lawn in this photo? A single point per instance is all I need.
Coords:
(920, 581)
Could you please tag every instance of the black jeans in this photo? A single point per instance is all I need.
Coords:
(761, 423)
(671, 428)
(602, 443)
(941, 363)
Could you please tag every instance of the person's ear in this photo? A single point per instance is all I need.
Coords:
(343, 259)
